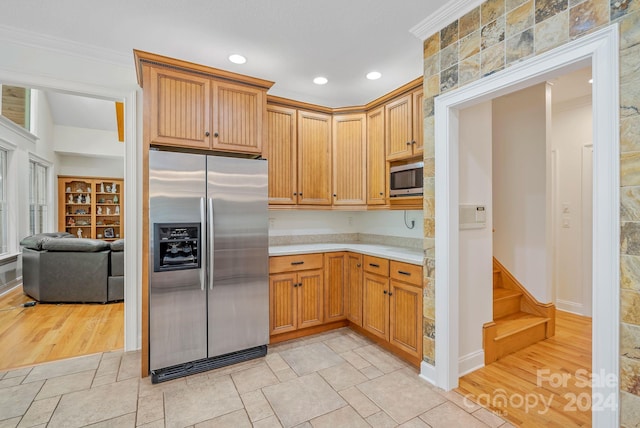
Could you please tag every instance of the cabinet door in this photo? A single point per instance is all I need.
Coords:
(335, 286)
(376, 161)
(399, 128)
(418, 122)
(375, 305)
(280, 151)
(179, 108)
(354, 287)
(282, 302)
(238, 112)
(310, 302)
(405, 317)
(349, 159)
(314, 158)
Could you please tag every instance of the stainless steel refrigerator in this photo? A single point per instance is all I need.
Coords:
(209, 267)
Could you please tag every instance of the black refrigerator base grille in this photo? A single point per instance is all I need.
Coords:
(198, 366)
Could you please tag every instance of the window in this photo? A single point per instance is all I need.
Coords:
(37, 197)
(3, 202)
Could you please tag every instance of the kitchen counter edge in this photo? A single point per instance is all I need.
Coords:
(400, 254)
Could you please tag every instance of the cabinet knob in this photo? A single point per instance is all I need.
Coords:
(408, 143)
(335, 196)
(299, 284)
(215, 134)
(358, 265)
(206, 134)
(381, 193)
(384, 292)
(413, 142)
(295, 193)
(300, 193)
(390, 294)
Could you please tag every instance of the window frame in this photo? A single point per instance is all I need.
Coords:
(46, 223)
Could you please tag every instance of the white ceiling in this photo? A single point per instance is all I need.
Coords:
(82, 112)
(286, 41)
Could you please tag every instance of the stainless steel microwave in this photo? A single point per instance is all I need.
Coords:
(406, 180)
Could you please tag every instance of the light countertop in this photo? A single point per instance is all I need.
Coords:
(401, 254)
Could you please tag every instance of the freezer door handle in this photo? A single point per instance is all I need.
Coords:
(210, 239)
(203, 271)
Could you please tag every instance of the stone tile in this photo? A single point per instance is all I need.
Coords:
(629, 63)
(491, 10)
(431, 46)
(620, 8)
(428, 299)
(64, 367)
(155, 424)
(448, 415)
(22, 373)
(275, 362)
(432, 66)
(359, 402)
(256, 405)
(630, 132)
(630, 238)
(630, 169)
(630, 203)
(381, 420)
(492, 59)
(552, 32)
(414, 423)
(449, 56)
(129, 366)
(228, 370)
(104, 380)
(10, 423)
(12, 381)
(65, 384)
(449, 35)
(468, 71)
(492, 33)
(629, 409)
(302, 399)
(254, 378)
(546, 9)
(449, 79)
(150, 408)
(402, 395)
(588, 16)
(469, 23)
(285, 375)
(629, 99)
(39, 412)
(372, 372)
(630, 307)
(519, 19)
(488, 417)
(201, 402)
(630, 341)
(355, 360)
(429, 150)
(311, 358)
(431, 86)
(15, 400)
(342, 376)
(271, 422)
(109, 365)
(343, 344)
(512, 4)
(460, 400)
(344, 417)
(519, 47)
(630, 375)
(99, 404)
(630, 31)
(429, 328)
(470, 45)
(125, 421)
(237, 419)
(147, 388)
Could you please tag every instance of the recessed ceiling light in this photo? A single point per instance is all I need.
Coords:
(590, 80)
(374, 75)
(320, 80)
(237, 59)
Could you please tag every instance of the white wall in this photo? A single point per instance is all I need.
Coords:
(303, 222)
(475, 263)
(93, 142)
(572, 124)
(90, 166)
(520, 188)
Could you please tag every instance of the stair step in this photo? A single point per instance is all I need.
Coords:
(516, 323)
(505, 302)
(504, 293)
(497, 279)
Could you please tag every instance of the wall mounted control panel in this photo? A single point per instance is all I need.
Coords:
(472, 216)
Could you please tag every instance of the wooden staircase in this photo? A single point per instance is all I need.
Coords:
(519, 320)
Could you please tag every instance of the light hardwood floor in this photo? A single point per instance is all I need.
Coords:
(537, 374)
(48, 332)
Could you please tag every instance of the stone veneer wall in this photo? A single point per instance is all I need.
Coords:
(500, 33)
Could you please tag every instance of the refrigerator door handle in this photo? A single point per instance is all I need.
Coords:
(210, 242)
(203, 244)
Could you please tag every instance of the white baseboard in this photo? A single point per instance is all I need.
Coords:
(471, 362)
(573, 307)
(428, 372)
(10, 286)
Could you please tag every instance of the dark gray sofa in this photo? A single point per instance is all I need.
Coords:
(59, 268)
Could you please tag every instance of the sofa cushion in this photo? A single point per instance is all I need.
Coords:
(81, 245)
(117, 245)
(35, 242)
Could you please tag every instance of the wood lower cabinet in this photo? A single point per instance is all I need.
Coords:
(375, 304)
(335, 288)
(354, 288)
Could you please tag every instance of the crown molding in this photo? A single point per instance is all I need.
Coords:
(442, 17)
(64, 46)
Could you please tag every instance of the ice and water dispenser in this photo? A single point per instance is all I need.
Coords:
(177, 246)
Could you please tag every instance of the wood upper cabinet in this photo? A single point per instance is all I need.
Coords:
(281, 153)
(238, 112)
(349, 159)
(354, 288)
(314, 158)
(403, 130)
(180, 108)
(375, 304)
(376, 161)
(335, 288)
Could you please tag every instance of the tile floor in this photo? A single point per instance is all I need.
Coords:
(336, 379)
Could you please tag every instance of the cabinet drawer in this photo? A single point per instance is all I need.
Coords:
(295, 263)
(376, 265)
(406, 272)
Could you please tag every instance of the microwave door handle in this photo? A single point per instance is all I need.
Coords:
(210, 249)
(203, 244)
